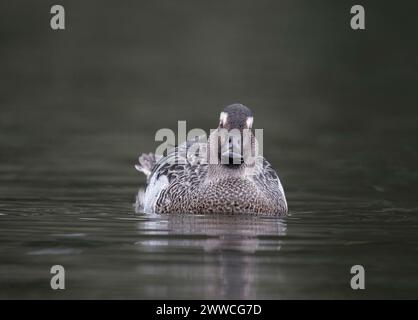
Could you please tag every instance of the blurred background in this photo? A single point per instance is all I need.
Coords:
(77, 107)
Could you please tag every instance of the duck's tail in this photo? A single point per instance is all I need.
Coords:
(146, 163)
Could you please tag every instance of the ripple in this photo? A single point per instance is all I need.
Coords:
(56, 251)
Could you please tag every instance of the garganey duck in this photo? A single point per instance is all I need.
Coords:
(232, 181)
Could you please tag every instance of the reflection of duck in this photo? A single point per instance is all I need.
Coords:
(225, 250)
(232, 184)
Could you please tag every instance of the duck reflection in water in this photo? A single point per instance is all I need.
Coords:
(227, 245)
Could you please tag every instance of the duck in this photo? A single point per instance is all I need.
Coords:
(233, 181)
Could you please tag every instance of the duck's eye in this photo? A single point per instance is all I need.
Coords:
(249, 122)
(223, 119)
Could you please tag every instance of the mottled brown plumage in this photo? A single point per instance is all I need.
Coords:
(195, 186)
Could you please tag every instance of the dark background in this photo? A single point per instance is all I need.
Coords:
(123, 69)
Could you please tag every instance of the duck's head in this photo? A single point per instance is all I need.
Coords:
(236, 116)
(232, 141)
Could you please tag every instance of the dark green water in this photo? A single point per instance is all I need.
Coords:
(338, 109)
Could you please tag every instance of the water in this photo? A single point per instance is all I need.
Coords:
(339, 120)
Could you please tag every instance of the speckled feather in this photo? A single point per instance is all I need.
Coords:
(180, 184)
(188, 189)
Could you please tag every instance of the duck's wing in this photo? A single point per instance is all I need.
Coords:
(179, 169)
(269, 182)
(179, 159)
(174, 162)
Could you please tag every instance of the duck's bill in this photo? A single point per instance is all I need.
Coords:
(230, 157)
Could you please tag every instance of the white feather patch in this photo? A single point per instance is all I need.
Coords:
(155, 187)
(223, 118)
